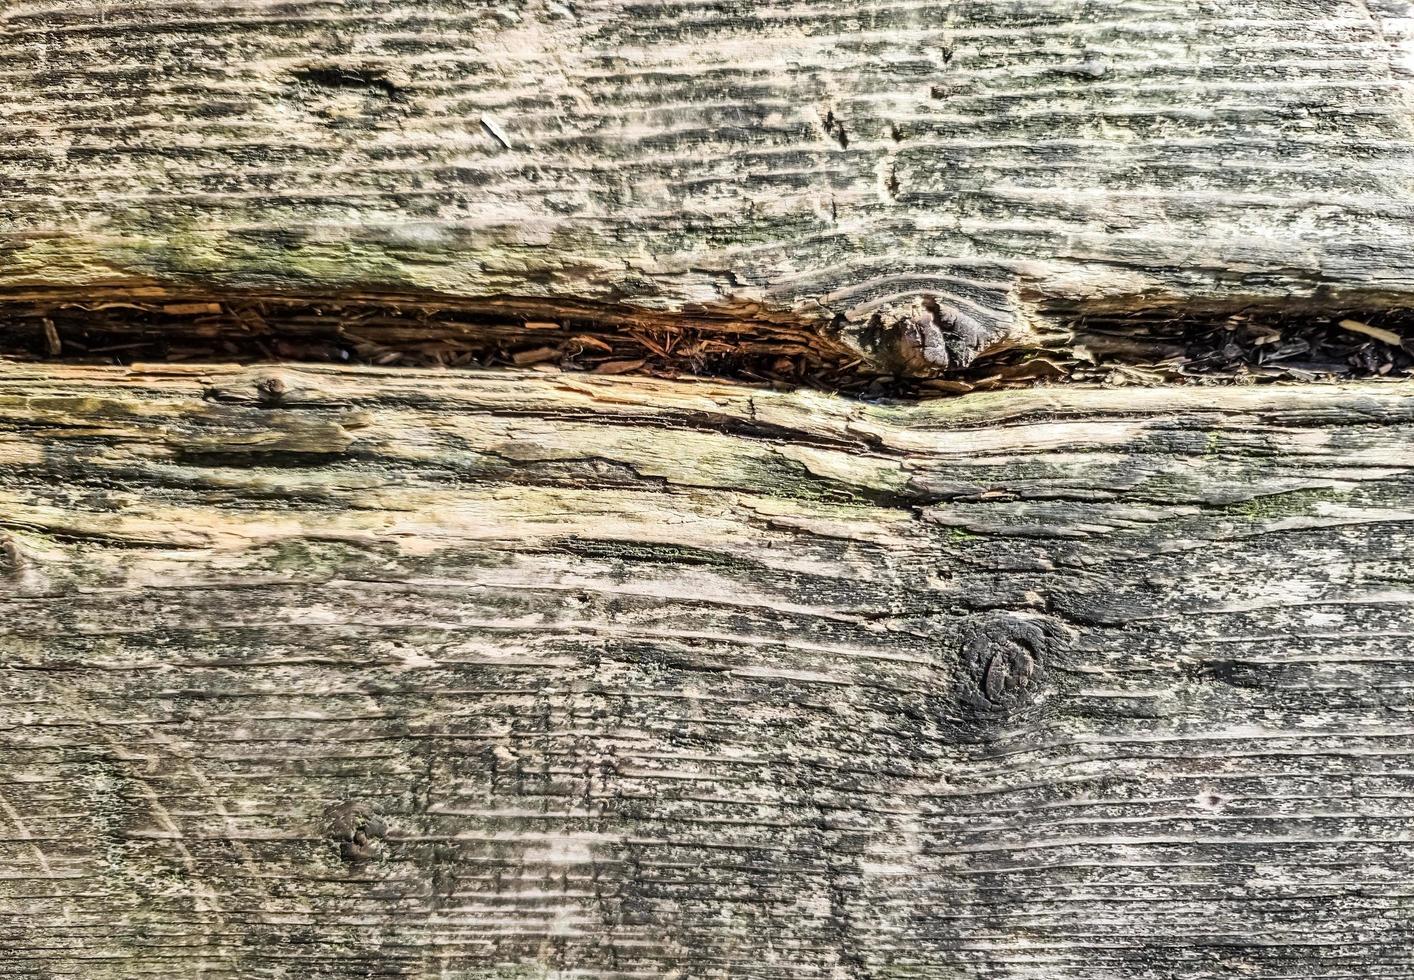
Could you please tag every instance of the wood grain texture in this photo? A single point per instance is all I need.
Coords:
(344, 673)
(926, 178)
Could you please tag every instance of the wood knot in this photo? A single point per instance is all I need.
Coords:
(357, 829)
(12, 559)
(1004, 665)
(271, 391)
(18, 567)
(927, 335)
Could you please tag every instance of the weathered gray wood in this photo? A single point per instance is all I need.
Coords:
(945, 174)
(356, 673)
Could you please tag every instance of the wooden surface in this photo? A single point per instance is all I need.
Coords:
(345, 673)
(924, 177)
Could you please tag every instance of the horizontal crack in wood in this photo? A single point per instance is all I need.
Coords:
(1147, 347)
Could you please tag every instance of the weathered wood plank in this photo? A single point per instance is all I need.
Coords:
(944, 174)
(350, 673)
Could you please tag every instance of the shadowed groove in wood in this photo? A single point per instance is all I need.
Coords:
(1108, 345)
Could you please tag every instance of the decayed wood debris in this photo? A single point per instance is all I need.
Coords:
(1158, 347)
(342, 672)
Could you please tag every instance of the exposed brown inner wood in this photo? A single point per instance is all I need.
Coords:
(1160, 346)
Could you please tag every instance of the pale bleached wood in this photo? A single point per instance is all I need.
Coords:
(923, 177)
(343, 673)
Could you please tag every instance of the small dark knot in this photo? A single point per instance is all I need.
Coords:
(1004, 664)
(357, 829)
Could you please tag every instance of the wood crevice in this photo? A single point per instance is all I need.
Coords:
(1143, 347)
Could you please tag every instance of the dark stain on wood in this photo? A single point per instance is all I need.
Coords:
(341, 77)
